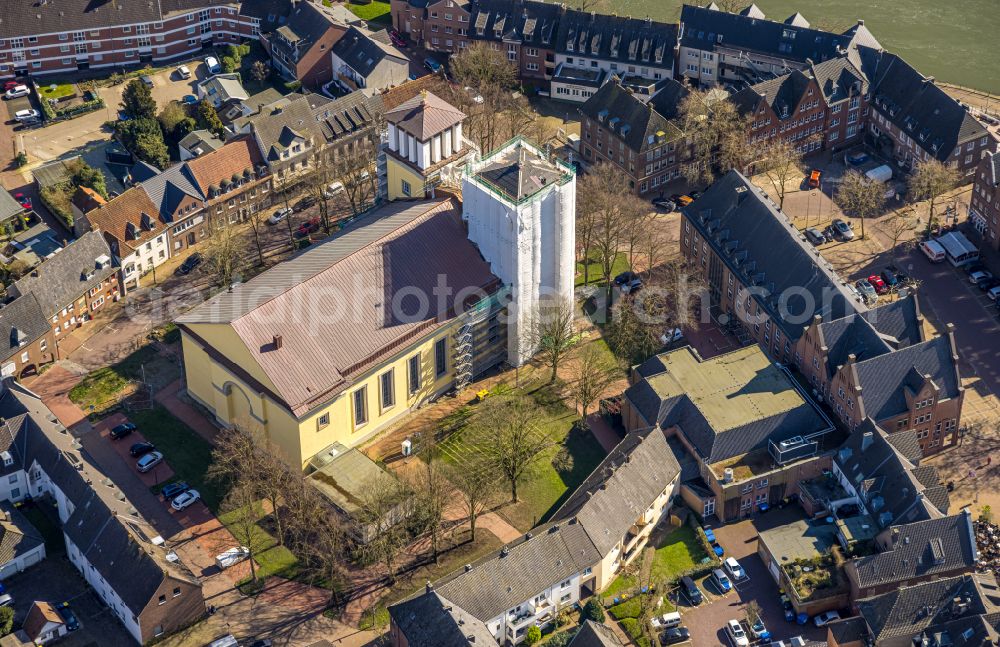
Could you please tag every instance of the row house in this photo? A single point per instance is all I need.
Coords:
(591, 46)
(722, 48)
(913, 120)
(58, 37)
(602, 527)
(73, 285)
(136, 574)
(300, 48)
(879, 364)
(163, 215)
(765, 281)
(984, 206)
(362, 60)
(635, 133)
(740, 448)
(822, 106)
(26, 339)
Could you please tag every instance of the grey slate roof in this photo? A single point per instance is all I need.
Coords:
(525, 22)
(920, 550)
(363, 53)
(21, 322)
(592, 634)
(68, 275)
(17, 536)
(909, 610)
(883, 469)
(521, 570)
(199, 142)
(169, 187)
(632, 119)
(838, 80)
(883, 379)
(9, 207)
(633, 41)
(629, 479)
(757, 242)
(914, 103)
(273, 126)
(900, 321)
(848, 630)
(430, 620)
(851, 335)
(306, 23)
(347, 116)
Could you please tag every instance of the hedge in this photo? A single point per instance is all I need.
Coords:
(634, 630)
(80, 109)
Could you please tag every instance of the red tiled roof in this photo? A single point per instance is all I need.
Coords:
(40, 614)
(113, 218)
(86, 199)
(232, 159)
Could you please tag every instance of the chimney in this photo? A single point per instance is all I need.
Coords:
(277, 342)
(866, 440)
(861, 23)
(429, 587)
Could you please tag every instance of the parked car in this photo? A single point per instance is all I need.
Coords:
(263, 642)
(721, 580)
(184, 72)
(149, 461)
(191, 262)
(122, 430)
(814, 178)
(432, 65)
(877, 283)
(691, 591)
(665, 204)
(138, 449)
(815, 236)
(625, 277)
(933, 251)
(684, 200)
(6, 600)
(184, 499)
(734, 569)
(675, 635)
(279, 215)
(72, 622)
(890, 277)
(147, 80)
(212, 65)
(8, 85)
(232, 556)
(308, 227)
(826, 618)
(974, 277)
(866, 289)
(987, 284)
(737, 634)
(23, 200)
(632, 286)
(854, 291)
(666, 620)
(672, 336)
(396, 38)
(17, 91)
(855, 159)
(333, 189)
(189, 100)
(170, 490)
(994, 292)
(843, 230)
(759, 631)
(28, 116)
(304, 203)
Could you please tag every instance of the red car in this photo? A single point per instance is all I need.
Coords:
(10, 85)
(307, 228)
(396, 38)
(878, 283)
(23, 200)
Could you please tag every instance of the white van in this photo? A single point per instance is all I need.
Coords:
(666, 621)
(226, 641)
(933, 250)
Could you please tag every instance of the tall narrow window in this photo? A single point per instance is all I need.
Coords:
(440, 357)
(387, 391)
(361, 406)
(413, 370)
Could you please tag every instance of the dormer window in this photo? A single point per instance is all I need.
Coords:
(130, 231)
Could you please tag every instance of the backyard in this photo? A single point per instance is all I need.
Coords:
(104, 388)
(56, 90)
(594, 270)
(375, 12)
(677, 552)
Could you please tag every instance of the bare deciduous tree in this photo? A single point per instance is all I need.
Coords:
(718, 134)
(380, 511)
(224, 254)
(860, 197)
(605, 194)
(780, 164)
(730, 6)
(431, 496)
(477, 487)
(594, 374)
(931, 180)
(898, 227)
(552, 332)
(506, 434)
(243, 511)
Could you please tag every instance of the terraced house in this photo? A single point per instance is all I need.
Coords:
(59, 37)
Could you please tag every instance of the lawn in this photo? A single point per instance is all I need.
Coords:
(272, 558)
(594, 270)
(188, 454)
(374, 12)
(56, 90)
(559, 469)
(102, 389)
(678, 552)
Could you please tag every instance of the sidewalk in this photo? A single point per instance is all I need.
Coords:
(53, 388)
(168, 397)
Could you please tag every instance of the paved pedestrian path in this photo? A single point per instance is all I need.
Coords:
(168, 396)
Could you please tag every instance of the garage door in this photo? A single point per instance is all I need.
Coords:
(773, 567)
(33, 559)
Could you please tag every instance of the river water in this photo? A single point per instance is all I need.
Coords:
(957, 41)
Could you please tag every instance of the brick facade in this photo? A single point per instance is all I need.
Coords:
(984, 207)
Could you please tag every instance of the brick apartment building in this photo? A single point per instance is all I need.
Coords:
(822, 106)
(58, 37)
(984, 208)
(300, 48)
(635, 133)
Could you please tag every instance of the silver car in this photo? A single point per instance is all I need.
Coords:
(149, 461)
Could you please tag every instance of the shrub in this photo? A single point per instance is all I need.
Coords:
(561, 639)
(632, 627)
(293, 86)
(533, 635)
(6, 620)
(631, 608)
(593, 610)
(21, 159)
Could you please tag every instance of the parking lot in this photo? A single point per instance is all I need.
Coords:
(707, 621)
(56, 580)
